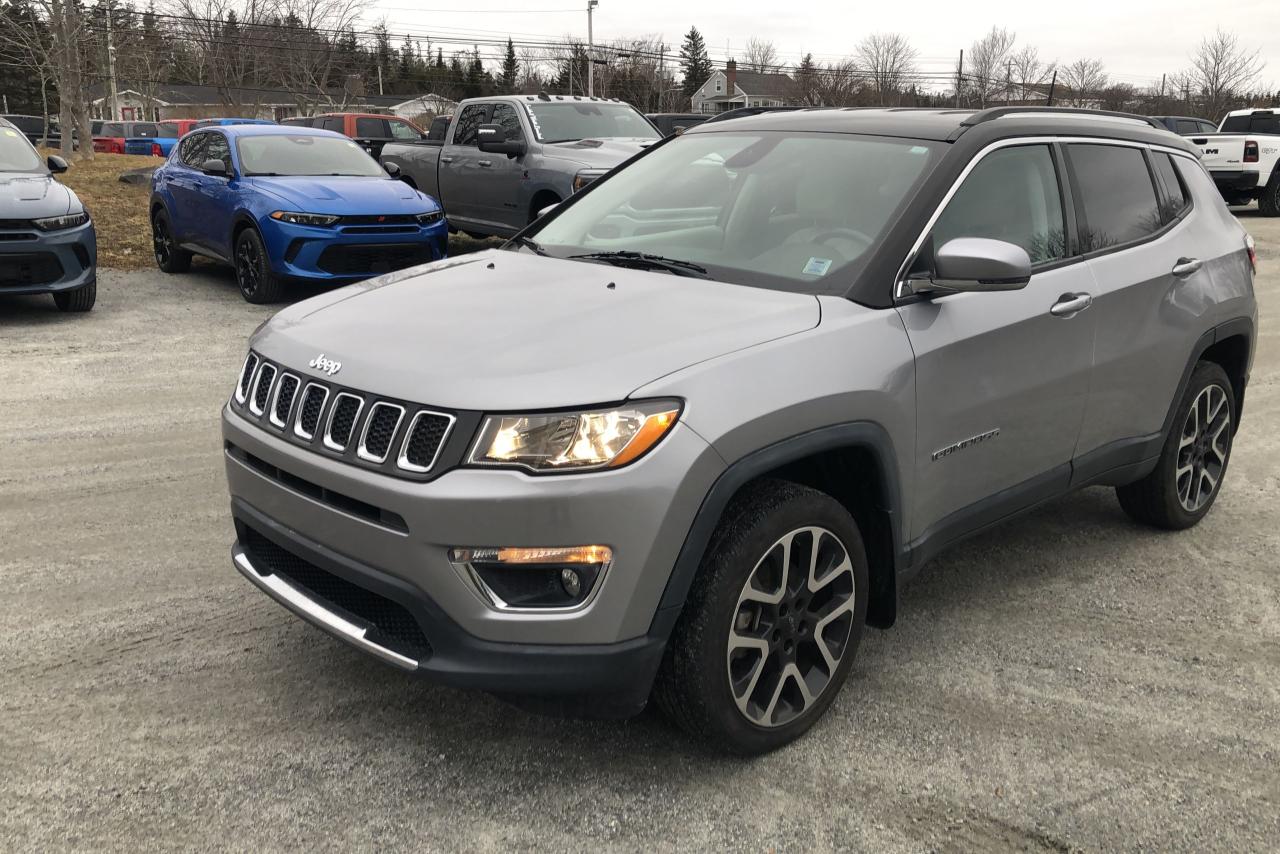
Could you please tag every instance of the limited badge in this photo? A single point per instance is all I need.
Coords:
(817, 267)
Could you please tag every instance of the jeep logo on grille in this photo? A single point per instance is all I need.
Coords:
(324, 365)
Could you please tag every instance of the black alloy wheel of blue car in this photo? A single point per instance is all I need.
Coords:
(170, 257)
(257, 282)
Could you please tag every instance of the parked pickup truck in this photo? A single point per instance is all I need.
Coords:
(1244, 158)
(506, 158)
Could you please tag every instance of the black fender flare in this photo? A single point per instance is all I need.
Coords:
(865, 435)
(1240, 326)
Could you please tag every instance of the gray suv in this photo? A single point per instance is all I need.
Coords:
(685, 436)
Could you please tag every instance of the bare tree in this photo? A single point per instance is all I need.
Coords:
(1082, 82)
(888, 60)
(1221, 70)
(988, 62)
(1030, 76)
(310, 70)
(839, 84)
(761, 56)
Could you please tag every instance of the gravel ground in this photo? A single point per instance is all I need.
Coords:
(1067, 681)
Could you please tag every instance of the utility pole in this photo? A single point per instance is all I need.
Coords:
(1008, 81)
(379, 78)
(1052, 84)
(113, 102)
(659, 81)
(959, 77)
(1160, 97)
(591, 50)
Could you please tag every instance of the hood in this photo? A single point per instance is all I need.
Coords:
(501, 330)
(30, 195)
(345, 196)
(601, 153)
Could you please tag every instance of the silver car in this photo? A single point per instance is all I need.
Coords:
(687, 435)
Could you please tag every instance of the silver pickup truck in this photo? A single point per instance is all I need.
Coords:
(508, 157)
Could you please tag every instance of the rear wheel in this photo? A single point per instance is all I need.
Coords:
(772, 624)
(81, 299)
(170, 258)
(1269, 201)
(1186, 480)
(257, 282)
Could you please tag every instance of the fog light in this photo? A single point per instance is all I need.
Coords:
(532, 578)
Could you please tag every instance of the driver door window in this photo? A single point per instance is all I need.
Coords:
(505, 115)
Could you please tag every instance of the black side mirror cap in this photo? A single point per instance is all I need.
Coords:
(56, 164)
(391, 169)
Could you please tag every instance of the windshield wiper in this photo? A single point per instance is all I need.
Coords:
(529, 243)
(645, 261)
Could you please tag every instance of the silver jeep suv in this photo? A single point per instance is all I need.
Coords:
(690, 432)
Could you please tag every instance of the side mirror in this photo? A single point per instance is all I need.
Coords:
(977, 264)
(56, 164)
(214, 168)
(391, 169)
(492, 139)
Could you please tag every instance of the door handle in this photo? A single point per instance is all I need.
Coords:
(446, 159)
(1069, 305)
(484, 163)
(1186, 266)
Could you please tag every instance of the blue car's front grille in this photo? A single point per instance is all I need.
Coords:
(355, 259)
(379, 219)
(36, 268)
(15, 223)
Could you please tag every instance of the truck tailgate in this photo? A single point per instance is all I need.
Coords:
(1221, 152)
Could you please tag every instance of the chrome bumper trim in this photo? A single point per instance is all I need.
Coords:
(309, 609)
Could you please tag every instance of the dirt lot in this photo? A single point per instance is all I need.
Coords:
(1068, 681)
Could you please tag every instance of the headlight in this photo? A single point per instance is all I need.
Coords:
(54, 223)
(304, 218)
(585, 177)
(574, 441)
(430, 218)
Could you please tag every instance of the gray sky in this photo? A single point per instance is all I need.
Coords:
(1137, 40)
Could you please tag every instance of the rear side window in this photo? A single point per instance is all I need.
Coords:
(404, 131)
(1235, 124)
(1174, 200)
(1187, 126)
(1117, 197)
(372, 128)
(333, 123)
(1264, 123)
(1011, 195)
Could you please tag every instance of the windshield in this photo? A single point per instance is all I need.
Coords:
(168, 130)
(563, 121)
(16, 154)
(282, 154)
(787, 211)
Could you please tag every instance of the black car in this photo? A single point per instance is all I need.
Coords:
(1187, 125)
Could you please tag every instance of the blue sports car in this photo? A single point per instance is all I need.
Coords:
(285, 204)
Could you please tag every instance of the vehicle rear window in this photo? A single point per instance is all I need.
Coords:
(1012, 195)
(1265, 123)
(1175, 199)
(372, 128)
(146, 129)
(1116, 194)
(112, 129)
(169, 130)
(1235, 124)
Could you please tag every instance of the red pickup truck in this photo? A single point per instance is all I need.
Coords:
(369, 130)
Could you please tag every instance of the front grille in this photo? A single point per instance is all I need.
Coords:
(425, 437)
(342, 420)
(313, 400)
(246, 376)
(379, 219)
(262, 390)
(15, 236)
(360, 259)
(36, 268)
(379, 430)
(15, 223)
(390, 623)
(284, 400)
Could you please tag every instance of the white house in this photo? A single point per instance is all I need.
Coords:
(731, 88)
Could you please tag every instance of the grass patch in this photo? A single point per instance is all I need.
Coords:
(119, 211)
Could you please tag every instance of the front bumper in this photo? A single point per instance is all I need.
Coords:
(36, 262)
(343, 254)
(643, 512)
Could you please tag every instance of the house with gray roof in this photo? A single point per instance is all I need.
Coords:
(731, 88)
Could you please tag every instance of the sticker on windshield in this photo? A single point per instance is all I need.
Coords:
(817, 267)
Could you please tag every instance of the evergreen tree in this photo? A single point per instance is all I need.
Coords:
(694, 61)
(510, 69)
(806, 80)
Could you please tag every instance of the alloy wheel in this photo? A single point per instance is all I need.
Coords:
(791, 626)
(1203, 448)
(248, 267)
(161, 241)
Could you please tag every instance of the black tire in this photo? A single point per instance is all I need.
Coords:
(693, 687)
(81, 299)
(258, 283)
(170, 258)
(1164, 498)
(1269, 201)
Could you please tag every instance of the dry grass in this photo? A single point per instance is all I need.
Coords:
(120, 211)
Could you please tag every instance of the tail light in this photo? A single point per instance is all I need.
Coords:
(155, 150)
(1253, 253)
(1251, 152)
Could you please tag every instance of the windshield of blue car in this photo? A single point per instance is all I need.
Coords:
(566, 121)
(16, 154)
(790, 211)
(296, 156)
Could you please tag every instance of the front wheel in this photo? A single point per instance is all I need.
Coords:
(258, 283)
(81, 299)
(772, 624)
(1186, 480)
(170, 257)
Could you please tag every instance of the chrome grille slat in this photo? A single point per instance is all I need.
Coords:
(246, 377)
(314, 397)
(262, 388)
(423, 441)
(379, 431)
(282, 401)
(344, 414)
